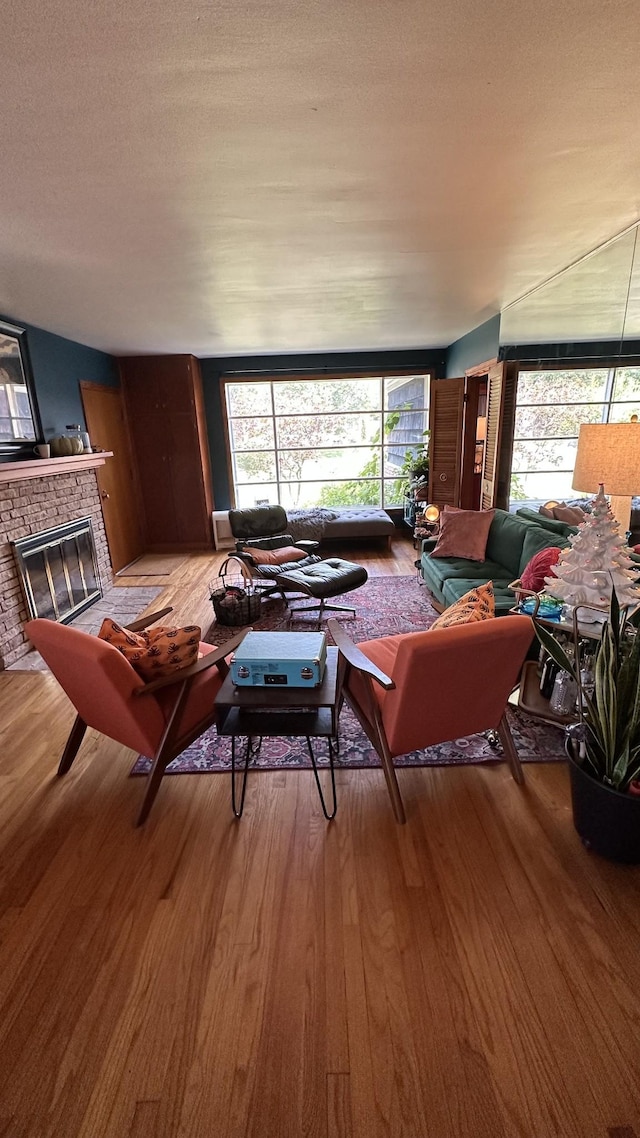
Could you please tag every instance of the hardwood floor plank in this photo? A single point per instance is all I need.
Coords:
(339, 1118)
(469, 975)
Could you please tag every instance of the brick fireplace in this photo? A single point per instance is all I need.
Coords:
(28, 504)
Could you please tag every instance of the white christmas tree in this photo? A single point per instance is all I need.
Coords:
(597, 559)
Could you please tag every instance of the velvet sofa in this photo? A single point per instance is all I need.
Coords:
(511, 544)
(560, 528)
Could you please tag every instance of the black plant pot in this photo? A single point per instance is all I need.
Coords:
(607, 821)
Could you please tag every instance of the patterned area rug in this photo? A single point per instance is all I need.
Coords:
(385, 606)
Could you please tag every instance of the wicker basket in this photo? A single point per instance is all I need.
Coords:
(233, 596)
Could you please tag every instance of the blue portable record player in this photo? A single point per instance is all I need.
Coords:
(280, 659)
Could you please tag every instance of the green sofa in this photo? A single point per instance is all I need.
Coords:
(511, 544)
(551, 524)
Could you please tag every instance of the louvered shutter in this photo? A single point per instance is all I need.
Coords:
(495, 399)
(446, 410)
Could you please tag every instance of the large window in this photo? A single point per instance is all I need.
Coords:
(550, 406)
(324, 442)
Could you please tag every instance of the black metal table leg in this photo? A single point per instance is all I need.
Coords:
(333, 779)
(251, 751)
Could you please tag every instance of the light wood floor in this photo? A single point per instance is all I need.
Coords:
(473, 974)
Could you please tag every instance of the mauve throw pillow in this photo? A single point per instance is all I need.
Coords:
(571, 515)
(538, 568)
(464, 533)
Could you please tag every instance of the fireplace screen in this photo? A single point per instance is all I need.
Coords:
(58, 571)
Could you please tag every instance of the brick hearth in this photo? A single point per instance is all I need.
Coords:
(28, 505)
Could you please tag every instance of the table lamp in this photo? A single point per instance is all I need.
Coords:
(432, 513)
(610, 453)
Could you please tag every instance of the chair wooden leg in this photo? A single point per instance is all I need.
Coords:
(160, 764)
(167, 750)
(508, 746)
(392, 782)
(72, 745)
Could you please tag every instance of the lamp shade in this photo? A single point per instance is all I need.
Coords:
(609, 453)
(432, 513)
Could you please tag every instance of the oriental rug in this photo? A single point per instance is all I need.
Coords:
(385, 606)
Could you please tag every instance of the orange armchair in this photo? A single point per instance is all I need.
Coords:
(422, 688)
(158, 719)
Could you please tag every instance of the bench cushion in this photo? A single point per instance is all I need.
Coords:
(365, 522)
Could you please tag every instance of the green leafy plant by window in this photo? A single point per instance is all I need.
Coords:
(415, 467)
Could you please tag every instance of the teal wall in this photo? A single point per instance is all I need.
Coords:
(315, 365)
(481, 344)
(58, 365)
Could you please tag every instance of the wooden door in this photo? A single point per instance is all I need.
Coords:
(446, 412)
(107, 427)
(471, 482)
(154, 448)
(495, 407)
(163, 396)
(193, 519)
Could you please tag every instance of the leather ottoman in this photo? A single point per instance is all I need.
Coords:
(323, 580)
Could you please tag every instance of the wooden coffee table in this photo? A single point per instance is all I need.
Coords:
(255, 713)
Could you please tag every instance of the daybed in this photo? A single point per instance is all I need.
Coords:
(511, 544)
(314, 524)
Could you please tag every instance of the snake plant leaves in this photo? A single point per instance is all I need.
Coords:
(612, 713)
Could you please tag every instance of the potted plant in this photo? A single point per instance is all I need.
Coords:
(604, 747)
(415, 467)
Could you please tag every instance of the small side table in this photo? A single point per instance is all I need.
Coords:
(528, 696)
(259, 712)
(424, 530)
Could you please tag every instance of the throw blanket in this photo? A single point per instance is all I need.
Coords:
(308, 525)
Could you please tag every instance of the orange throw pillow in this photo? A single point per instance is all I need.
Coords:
(477, 604)
(275, 556)
(156, 652)
(464, 533)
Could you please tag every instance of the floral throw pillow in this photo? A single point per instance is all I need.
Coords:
(157, 651)
(477, 604)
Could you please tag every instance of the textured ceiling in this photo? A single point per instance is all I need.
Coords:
(236, 176)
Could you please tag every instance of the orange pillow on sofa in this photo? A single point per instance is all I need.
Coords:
(275, 556)
(464, 533)
(156, 652)
(477, 604)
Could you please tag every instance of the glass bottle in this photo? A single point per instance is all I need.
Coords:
(563, 696)
(587, 682)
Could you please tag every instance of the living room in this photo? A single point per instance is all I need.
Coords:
(278, 255)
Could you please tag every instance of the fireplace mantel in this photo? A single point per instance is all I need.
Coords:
(47, 467)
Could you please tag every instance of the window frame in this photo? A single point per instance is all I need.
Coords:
(324, 376)
(610, 365)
